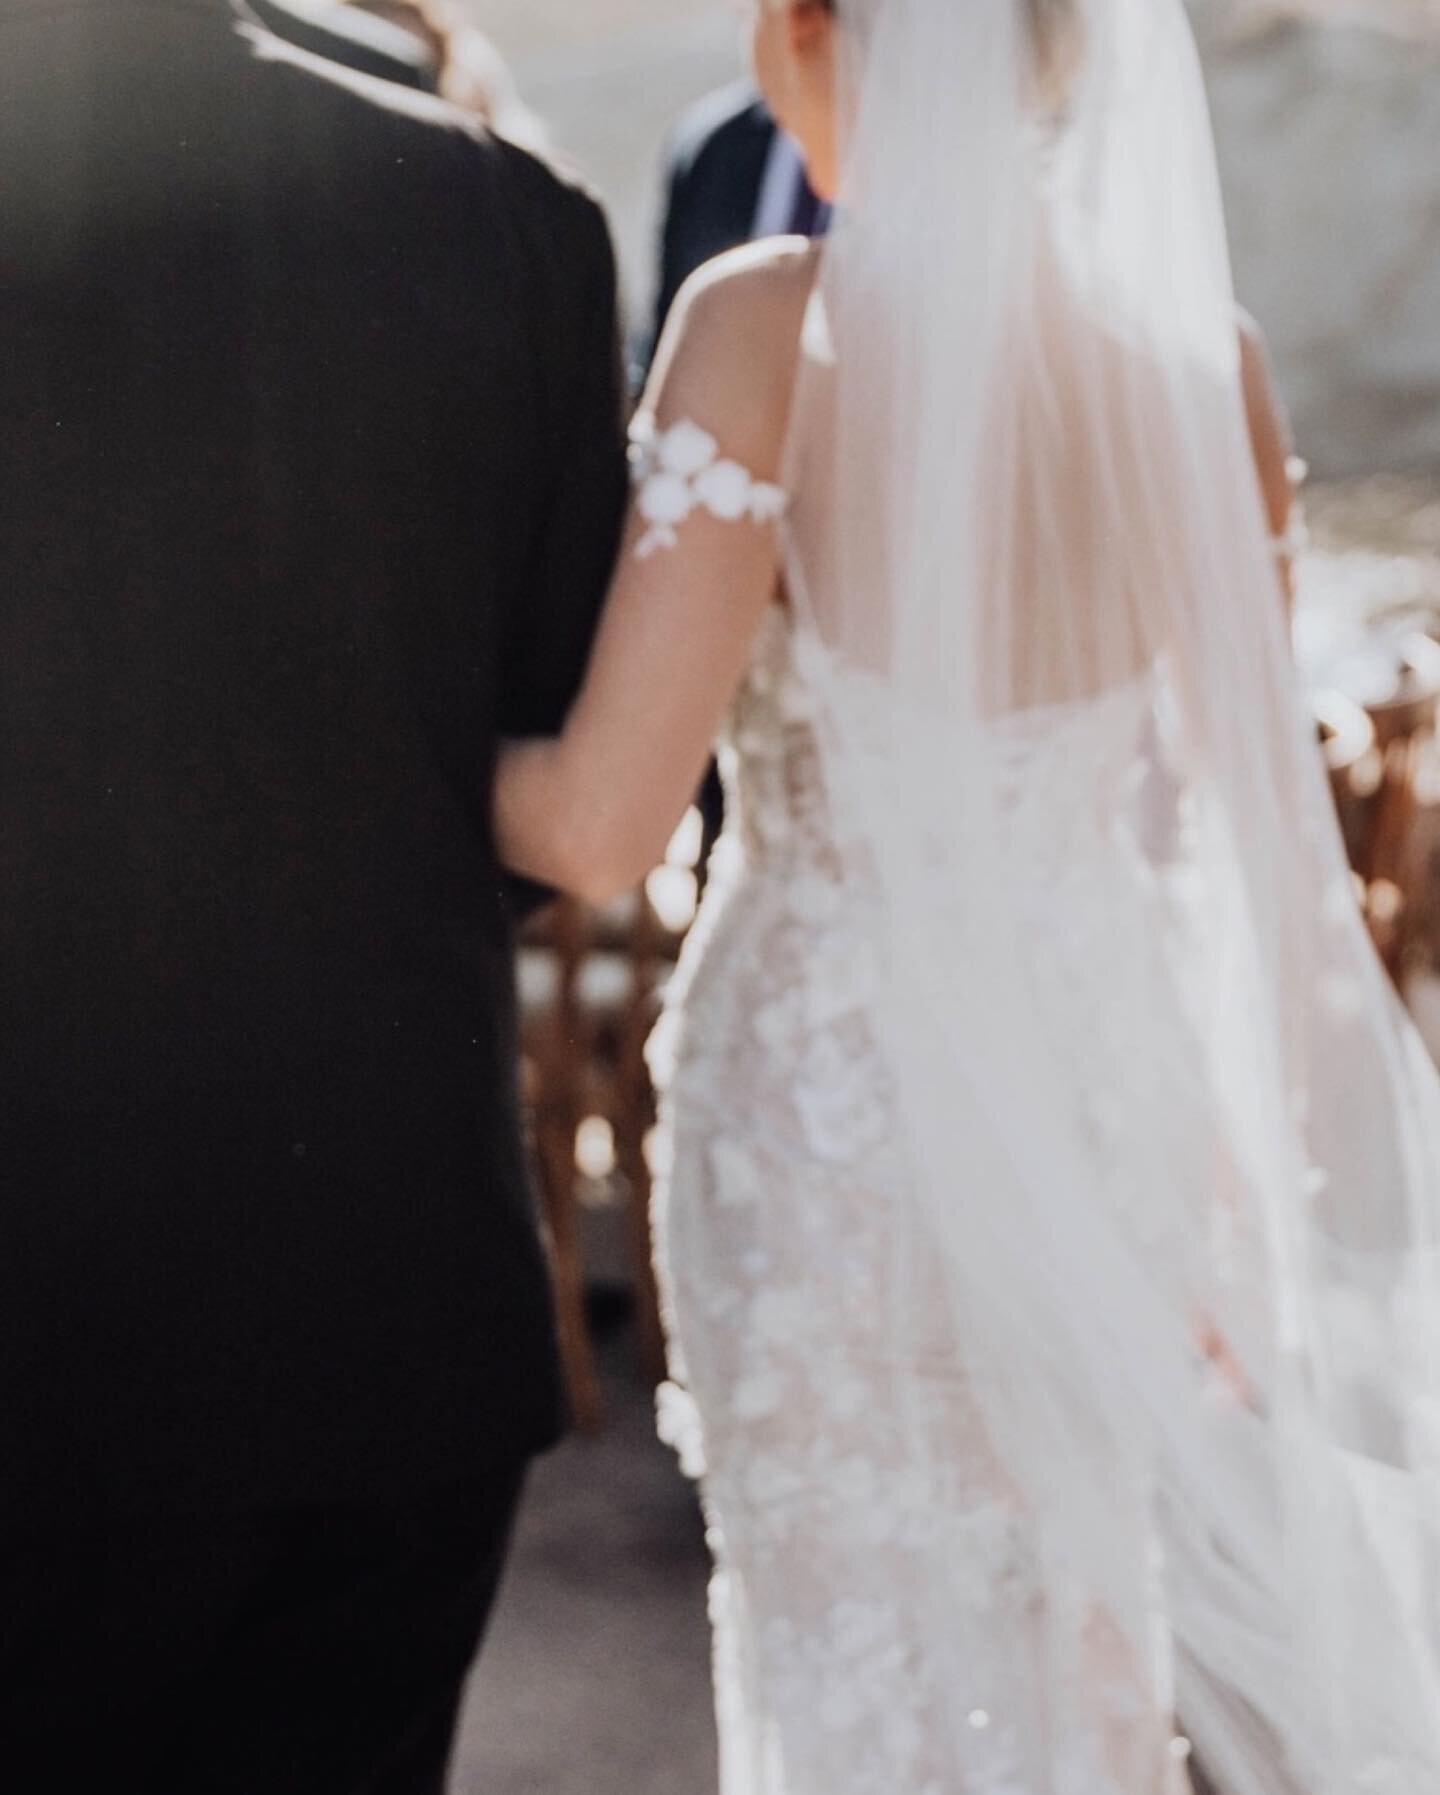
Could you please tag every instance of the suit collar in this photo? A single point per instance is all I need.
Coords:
(39, 9)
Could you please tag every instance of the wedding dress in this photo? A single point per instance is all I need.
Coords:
(877, 1632)
(1049, 1218)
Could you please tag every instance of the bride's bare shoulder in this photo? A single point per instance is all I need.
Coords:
(777, 272)
(729, 353)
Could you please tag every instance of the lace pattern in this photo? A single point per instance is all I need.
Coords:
(884, 1623)
(679, 471)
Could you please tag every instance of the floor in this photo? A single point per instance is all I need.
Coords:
(595, 1679)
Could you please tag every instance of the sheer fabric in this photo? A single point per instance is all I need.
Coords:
(1171, 1150)
(885, 1622)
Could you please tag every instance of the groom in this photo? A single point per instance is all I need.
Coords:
(312, 470)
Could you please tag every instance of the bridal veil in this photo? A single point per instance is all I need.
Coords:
(1177, 1153)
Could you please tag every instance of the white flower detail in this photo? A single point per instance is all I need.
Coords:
(685, 449)
(679, 1426)
(840, 1100)
(758, 1396)
(768, 1482)
(842, 977)
(780, 1024)
(768, 502)
(736, 1179)
(815, 899)
(664, 500)
(724, 490)
(662, 1050)
(679, 471)
(780, 1317)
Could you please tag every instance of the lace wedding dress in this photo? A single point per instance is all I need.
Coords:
(883, 1622)
(1049, 1236)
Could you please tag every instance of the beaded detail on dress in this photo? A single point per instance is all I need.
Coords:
(884, 1623)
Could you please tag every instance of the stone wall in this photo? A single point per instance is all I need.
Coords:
(1328, 120)
(610, 77)
(1328, 117)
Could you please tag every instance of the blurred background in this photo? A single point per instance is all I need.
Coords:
(1328, 118)
(1328, 114)
(609, 78)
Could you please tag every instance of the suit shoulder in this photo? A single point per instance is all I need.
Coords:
(365, 98)
(405, 124)
(560, 220)
(735, 114)
(546, 182)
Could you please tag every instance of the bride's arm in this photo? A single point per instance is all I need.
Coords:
(1273, 444)
(591, 810)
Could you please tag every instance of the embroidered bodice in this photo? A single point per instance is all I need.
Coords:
(1061, 771)
(770, 762)
(884, 1625)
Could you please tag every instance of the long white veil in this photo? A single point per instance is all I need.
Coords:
(1174, 1148)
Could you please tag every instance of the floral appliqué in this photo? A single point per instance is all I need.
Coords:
(884, 1623)
(680, 471)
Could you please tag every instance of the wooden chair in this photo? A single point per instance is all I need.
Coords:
(1378, 791)
(591, 989)
(1405, 728)
(553, 1053)
(1347, 740)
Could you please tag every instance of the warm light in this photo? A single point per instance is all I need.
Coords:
(595, 1147)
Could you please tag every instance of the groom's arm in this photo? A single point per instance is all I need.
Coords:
(549, 634)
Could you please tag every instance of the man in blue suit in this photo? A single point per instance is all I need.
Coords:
(731, 176)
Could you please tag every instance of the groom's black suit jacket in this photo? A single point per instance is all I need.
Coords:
(311, 473)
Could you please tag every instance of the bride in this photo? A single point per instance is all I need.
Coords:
(1049, 1229)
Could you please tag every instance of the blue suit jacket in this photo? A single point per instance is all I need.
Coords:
(715, 169)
